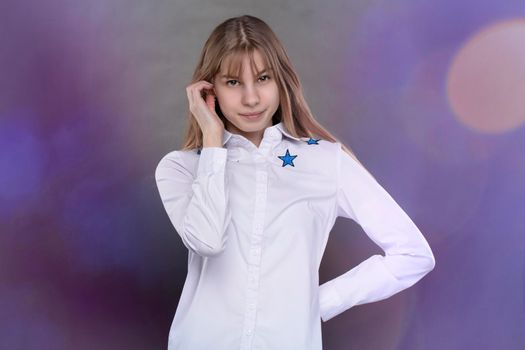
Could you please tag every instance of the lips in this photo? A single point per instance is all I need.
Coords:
(252, 115)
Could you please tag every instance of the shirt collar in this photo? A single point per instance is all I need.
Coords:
(282, 128)
(279, 126)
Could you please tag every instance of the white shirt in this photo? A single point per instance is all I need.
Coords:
(256, 222)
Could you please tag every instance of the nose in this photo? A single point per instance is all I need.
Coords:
(250, 95)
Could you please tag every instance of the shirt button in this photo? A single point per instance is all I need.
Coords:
(249, 331)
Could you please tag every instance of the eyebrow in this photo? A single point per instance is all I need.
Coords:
(264, 70)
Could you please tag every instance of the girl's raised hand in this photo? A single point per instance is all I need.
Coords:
(201, 98)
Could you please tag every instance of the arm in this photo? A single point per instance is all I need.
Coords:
(407, 258)
(197, 206)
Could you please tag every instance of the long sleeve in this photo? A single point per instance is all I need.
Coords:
(407, 258)
(197, 206)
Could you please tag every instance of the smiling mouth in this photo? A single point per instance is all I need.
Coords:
(253, 116)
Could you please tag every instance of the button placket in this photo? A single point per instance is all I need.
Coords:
(254, 255)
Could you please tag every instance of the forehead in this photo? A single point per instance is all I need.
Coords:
(236, 62)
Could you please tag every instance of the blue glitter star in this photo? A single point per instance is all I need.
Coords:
(312, 141)
(287, 158)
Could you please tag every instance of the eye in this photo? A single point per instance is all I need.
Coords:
(265, 76)
(228, 82)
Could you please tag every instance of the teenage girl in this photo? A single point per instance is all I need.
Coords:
(254, 193)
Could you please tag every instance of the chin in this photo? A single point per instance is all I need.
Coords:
(252, 125)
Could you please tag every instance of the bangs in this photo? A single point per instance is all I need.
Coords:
(233, 62)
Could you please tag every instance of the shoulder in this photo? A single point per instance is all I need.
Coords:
(180, 156)
(178, 160)
(318, 148)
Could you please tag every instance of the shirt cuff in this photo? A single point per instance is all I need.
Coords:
(329, 301)
(212, 160)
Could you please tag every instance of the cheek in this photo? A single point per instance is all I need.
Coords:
(275, 97)
(225, 100)
(274, 93)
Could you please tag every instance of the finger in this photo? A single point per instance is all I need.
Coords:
(190, 95)
(194, 91)
(201, 84)
(210, 101)
(205, 88)
(197, 95)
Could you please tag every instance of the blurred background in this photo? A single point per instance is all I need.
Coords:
(429, 94)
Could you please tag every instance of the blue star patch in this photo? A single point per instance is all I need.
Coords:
(287, 158)
(312, 141)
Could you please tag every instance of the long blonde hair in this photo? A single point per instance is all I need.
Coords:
(241, 35)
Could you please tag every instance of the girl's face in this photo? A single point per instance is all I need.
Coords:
(241, 97)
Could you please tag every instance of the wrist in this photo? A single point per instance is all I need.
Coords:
(213, 140)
